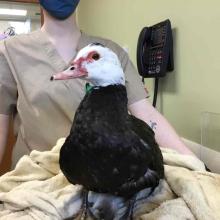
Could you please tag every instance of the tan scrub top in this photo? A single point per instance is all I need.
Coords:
(44, 110)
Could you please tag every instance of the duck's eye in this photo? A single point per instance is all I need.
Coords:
(95, 56)
(72, 68)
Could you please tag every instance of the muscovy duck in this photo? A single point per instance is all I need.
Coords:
(108, 150)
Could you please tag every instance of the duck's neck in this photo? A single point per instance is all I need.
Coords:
(111, 99)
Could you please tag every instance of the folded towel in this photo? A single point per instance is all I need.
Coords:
(36, 189)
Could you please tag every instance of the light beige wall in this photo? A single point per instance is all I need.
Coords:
(194, 86)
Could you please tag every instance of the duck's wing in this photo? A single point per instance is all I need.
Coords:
(147, 136)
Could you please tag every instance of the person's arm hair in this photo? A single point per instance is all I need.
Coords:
(4, 127)
(165, 134)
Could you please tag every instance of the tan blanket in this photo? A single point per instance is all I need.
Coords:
(36, 189)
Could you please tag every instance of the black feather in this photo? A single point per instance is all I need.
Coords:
(109, 150)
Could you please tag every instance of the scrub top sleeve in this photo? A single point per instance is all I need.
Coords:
(8, 89)
(135, 87)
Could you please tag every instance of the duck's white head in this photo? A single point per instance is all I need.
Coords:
(96, 64)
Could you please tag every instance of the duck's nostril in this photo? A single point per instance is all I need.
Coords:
(72, 68)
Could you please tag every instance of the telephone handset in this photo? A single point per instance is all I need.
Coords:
(155, 50)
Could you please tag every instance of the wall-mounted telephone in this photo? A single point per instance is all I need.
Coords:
(155, 50)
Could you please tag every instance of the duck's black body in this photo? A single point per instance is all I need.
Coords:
(109, 150)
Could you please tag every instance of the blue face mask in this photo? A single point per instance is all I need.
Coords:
(60, 9)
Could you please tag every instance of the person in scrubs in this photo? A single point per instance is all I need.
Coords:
(42, 110)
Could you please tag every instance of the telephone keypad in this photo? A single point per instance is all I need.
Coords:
(155, 61)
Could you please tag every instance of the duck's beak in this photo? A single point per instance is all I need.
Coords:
(74, 71)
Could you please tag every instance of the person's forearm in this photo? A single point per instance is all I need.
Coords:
(165, 135)
(4, 125)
